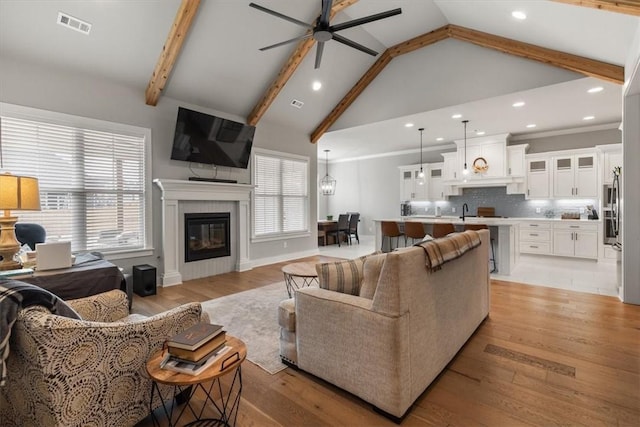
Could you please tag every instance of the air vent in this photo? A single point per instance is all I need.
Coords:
(297, 104)
(69, 21)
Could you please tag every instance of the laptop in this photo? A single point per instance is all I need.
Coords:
(51, 256)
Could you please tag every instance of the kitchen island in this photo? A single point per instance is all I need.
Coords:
(504, 231)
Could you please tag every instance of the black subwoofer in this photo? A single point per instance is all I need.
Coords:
(144, 280)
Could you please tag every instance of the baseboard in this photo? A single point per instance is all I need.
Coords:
(283, 258)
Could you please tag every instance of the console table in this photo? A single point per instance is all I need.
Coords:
(88, 276)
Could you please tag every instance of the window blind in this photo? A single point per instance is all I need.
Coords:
(92, 182)
(281, 196)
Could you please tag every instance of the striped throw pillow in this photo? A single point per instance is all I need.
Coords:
(342, 276)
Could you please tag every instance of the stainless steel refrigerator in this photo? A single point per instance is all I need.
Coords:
(615, 202)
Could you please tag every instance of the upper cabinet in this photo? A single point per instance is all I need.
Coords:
(412, 186)
(436, 185)
(537, 176)
(484, 156)
(575, 175)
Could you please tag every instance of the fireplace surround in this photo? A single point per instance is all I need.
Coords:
(175, 192)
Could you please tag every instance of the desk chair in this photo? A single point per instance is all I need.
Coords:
(415, 230)
(30, 234)
(390, 229)
(492, 260)
(441, 230)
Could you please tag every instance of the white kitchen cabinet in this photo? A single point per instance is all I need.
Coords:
(412, 187)
(535, 237)
(450, 171)
(575, 175)
(575, 239)
(516, 164)
(436, 184)
(493, 154)
(537, 177)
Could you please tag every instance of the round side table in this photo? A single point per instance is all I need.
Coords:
(185, 386)
(304, 272)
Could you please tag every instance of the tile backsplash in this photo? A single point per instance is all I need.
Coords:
(508, 205)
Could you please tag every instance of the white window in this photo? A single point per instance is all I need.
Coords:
(281, 195)
(92, 176)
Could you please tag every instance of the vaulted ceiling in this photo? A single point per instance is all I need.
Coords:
(206, 53)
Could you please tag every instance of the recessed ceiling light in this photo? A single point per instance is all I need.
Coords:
(518, 104)
(316, 85)
(408, 125)
(532, 125)
(518, 14)
(596, 89)
(439, 138)
(588, 118)
(456, 116)
(480, 132)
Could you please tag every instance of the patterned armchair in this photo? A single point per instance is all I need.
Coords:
(68, 372)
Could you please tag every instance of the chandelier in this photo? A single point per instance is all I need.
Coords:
(327, 183)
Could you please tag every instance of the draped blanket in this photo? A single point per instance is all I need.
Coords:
(16, 295)
(445, 249)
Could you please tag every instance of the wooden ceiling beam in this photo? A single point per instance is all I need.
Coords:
(579, 64)
(629, 7)
(288, 68)
(181, 25)
(386, 57)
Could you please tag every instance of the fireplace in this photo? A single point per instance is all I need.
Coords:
(206, 235)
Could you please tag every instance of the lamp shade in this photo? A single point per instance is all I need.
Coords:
(20, 193)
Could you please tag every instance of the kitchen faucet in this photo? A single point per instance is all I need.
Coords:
(465, 208)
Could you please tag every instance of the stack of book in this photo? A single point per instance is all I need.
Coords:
(195, 349)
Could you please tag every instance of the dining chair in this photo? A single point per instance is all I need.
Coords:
(414, 230)
(441, 230)
(354, 219)
(390, 229)
(492, 260)
(342, 228)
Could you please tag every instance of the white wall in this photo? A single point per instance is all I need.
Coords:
(66, 91)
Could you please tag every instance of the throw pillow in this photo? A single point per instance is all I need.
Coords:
(371, 272)
(341, 276)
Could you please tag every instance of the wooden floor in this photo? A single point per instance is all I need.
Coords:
(543, 357)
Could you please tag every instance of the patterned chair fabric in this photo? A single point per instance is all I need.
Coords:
(90, 372)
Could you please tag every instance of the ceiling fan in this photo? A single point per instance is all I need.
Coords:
(322, 31)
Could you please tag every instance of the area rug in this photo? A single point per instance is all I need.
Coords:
(252, 316)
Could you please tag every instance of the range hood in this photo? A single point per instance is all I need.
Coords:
(514, 184)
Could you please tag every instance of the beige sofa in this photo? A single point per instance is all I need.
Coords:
(388, 349)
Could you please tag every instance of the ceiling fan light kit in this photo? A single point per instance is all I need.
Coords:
(323, 31)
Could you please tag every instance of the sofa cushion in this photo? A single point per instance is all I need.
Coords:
(341, 276)
(371, 273)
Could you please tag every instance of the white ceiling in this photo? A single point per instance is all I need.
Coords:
(220, 66)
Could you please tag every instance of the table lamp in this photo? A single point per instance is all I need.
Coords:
(18, 193)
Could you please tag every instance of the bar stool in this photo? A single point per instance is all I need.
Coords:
(390, 229)
(415, 230)
(441, 230)
(492, 260)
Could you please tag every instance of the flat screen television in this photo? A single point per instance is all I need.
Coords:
(203, 138)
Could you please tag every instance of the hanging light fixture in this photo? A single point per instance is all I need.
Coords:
(421, 174)
(327, 183)
(465, 171)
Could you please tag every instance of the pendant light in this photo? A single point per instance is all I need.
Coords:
(327, 183)
(465, 171)
(421, 174)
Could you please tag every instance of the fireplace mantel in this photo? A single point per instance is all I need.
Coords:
(175, 191)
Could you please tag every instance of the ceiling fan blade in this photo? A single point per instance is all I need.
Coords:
(365, 20)
(354, 45)
(279, 15)
(325, 13)
(295, 39)
(319, 49)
